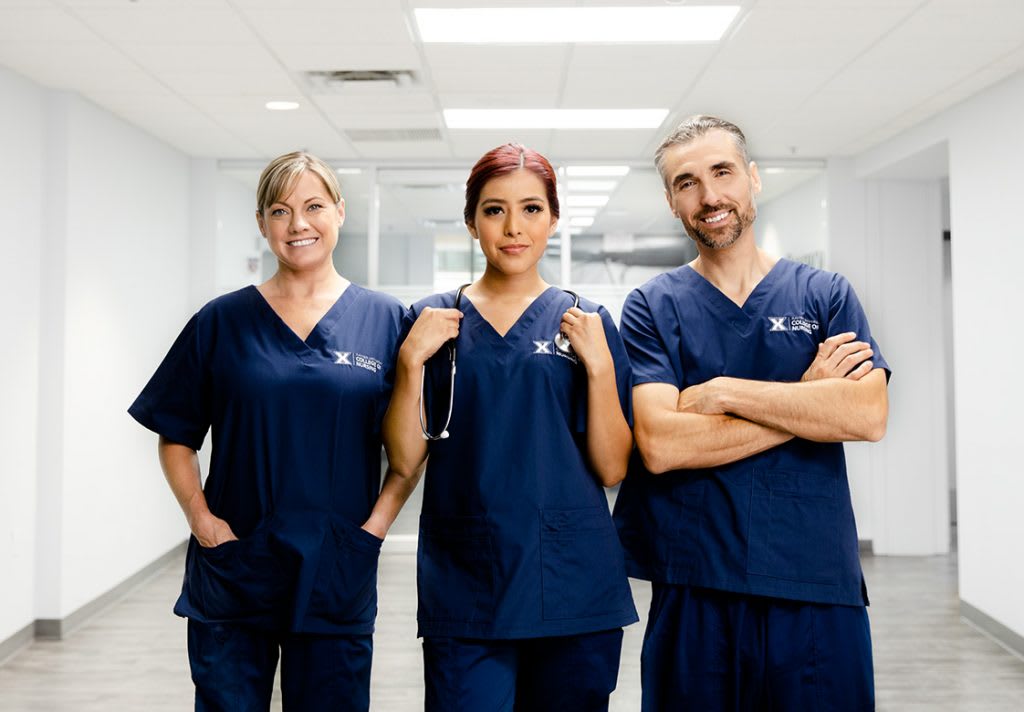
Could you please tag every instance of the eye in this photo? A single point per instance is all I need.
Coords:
(314, 207)
(686, 184)
(492, 210)
(534, 208)
(277, 212)
(723, 172)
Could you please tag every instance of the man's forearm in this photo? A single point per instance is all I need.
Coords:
(826, 410)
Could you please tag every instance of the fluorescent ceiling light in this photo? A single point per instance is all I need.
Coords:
(348, 171)
(586, 201)
(595, 171)
(581, 222)
(773, 170)
(282, 105)
(554, 118)
(582, 212)
(520, 25)
(601, 186)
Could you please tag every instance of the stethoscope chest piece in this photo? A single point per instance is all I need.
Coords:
(562, 342)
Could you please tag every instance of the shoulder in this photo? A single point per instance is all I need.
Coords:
(441, 300)
(817, 280)
(379, 301)
(232, 301)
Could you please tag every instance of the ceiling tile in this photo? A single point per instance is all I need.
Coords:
(397, 102)
(330, 56)
(330, 25)
(138, 22)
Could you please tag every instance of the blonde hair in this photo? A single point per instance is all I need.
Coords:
(281, 174)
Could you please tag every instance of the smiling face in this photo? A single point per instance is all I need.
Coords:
(711, 190)
(301, 227)
(513, 222)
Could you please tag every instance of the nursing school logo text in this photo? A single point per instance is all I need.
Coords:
(792, 323)
(350, 358)
(548, 348)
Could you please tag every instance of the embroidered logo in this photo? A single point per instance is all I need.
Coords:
(546, 348)
(542, 347)
(349, 358)
(792, 323)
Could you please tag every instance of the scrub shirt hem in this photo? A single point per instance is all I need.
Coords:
(549, 629)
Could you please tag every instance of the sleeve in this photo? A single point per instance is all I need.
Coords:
(176, 401)
(648, 355)
(623, 370)
(845, 313)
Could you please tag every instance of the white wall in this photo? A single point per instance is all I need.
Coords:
(127, 296)
(237, 235)
(986, 150)
(22, 111)
(795, 224)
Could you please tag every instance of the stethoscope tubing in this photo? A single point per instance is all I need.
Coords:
(561, 341)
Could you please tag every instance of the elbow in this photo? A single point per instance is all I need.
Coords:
(876, 430)
(649, 453)
(611, 476)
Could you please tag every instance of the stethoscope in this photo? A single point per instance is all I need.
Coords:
(561, 341)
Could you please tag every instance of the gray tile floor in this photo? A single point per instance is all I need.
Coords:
(132, 657)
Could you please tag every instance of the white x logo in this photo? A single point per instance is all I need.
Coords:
(778, 323)
(543, 347)
(344, 357)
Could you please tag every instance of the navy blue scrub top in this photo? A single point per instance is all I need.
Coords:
(779, 523)
(295, 465)
(516, 540)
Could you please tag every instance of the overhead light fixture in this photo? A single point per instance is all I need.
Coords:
(773, 170)
(282, 105)
(554, 118)
(581, 222)
(519, 25)
(600, 186)
(348, 171)
(586, 201)
(596, 171)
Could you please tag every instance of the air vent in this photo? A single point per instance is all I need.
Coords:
(343, 81)
(360, 135)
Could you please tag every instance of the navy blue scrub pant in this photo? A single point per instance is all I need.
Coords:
(233, 669)
(574, 673)
(713, 651)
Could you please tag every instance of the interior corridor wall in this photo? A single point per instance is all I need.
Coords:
(986, 150)
(22, 110)
(125, 244)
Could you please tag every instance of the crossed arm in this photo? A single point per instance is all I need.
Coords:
(840, 398)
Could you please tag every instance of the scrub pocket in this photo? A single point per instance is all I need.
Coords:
(346, 578)
(241, 581)
(794, 532)
(455, 570)
(582, 568)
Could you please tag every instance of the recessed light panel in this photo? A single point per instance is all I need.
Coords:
(596, 171)
(507, 25)
(596, 186)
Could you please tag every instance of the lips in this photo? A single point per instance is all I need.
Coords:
(716, 217)
(514, 249)
(305, 242)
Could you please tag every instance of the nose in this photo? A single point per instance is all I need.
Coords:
(298, 222)
(512, 225)
(709, 196)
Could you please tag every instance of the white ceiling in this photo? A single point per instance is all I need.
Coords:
(806, 79)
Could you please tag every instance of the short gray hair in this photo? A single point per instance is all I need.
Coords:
(693, 128)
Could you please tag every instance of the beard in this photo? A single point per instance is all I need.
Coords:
(724, 238)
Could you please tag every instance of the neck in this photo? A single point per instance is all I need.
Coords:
(305, 284)
(495, 284)
(735, 267)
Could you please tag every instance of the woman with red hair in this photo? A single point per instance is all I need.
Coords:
(521, 581)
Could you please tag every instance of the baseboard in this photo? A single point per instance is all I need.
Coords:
(16, 642)
(60, 628)
(866, 546)
(1012, 641)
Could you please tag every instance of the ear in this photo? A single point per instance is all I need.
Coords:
(554, 227)
(668, 199)
(262, 225)
(472, 230)
(341, 212)
(755, 177)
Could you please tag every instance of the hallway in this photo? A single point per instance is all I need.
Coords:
(132, 656)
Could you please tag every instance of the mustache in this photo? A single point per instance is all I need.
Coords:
(712, 210)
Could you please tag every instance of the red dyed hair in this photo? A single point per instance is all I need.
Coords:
(501, 161)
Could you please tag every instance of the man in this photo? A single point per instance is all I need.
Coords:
(749, 373)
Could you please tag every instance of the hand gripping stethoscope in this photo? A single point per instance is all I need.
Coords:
(561, 341)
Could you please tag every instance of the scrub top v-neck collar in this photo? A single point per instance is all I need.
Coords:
(320, 333)
(520, 328)
(741, 318)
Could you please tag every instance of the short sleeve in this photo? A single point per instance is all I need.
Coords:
(176, 401)
(845, 313)
(648, 356)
